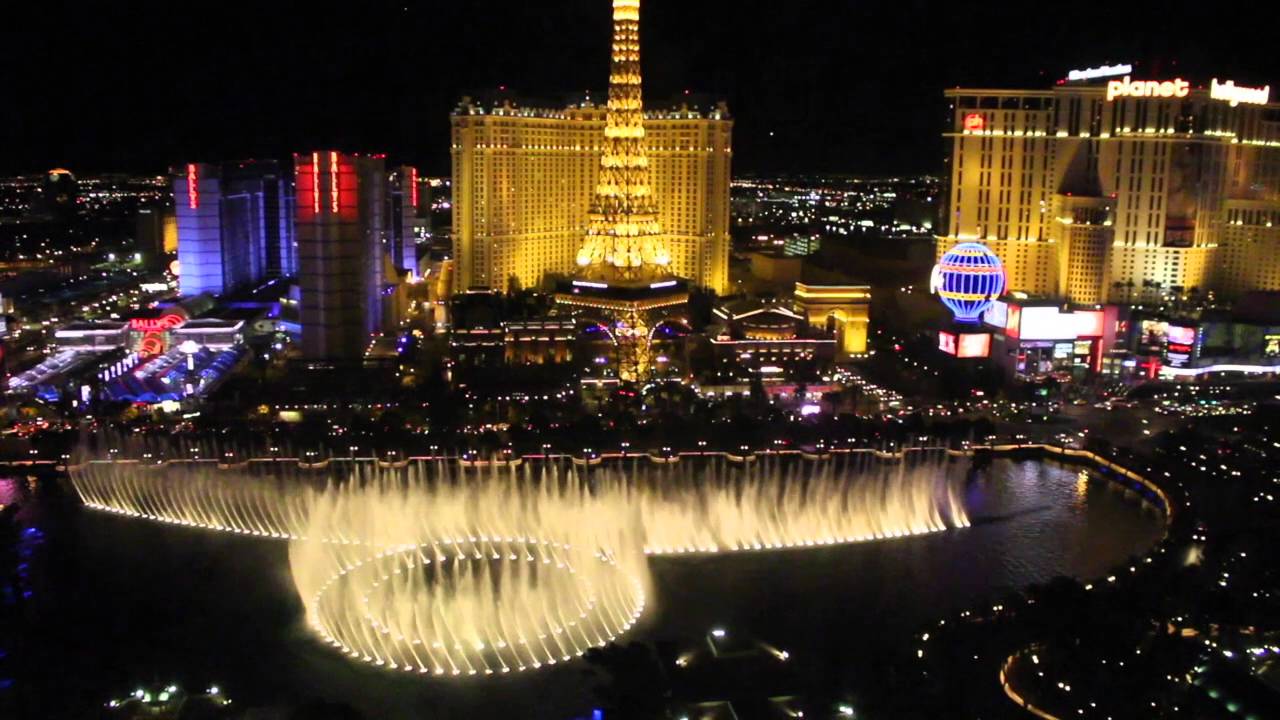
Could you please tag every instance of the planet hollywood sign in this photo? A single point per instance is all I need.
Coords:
(1227, 91)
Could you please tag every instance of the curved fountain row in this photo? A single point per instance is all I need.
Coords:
(448, 568)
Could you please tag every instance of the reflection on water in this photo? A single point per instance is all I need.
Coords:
(858, 606)
(131, 601)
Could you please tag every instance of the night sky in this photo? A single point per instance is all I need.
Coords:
(843, 86)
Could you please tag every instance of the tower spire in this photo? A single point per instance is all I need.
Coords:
(623, 237)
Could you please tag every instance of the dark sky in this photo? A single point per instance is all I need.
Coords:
(846, 86)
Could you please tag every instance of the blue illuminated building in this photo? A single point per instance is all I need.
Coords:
(235, 225)
(407, 218)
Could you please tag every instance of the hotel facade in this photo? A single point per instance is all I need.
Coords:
(524, 178)
(1119, 190)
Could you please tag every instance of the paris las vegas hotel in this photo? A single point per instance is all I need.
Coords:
(1118, 187)
(524, 177)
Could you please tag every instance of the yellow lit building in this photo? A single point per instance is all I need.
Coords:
(844, 310)
(524, 178)
(169, 239)
(1118, 190)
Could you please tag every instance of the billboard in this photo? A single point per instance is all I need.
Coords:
(1153, 332)
(947, 342)
(965, 345)
(1048, 323)
(1177, 355)
(973, 345)
(1180, 335)
(997, 315)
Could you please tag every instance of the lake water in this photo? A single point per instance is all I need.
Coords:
(114, 603)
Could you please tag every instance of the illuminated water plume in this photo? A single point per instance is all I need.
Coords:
(450, 568)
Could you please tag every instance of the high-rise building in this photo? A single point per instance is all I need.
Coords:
(197, 194)
(1123, 190)
(155, 234)
(346, 276)
(409, 217)
(261, 193)
(58, 194)
(235, 225)
(524, 178)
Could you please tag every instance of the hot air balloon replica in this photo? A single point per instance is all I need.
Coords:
(968, 278)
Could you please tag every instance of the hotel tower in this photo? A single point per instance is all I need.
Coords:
(1121, 189)
(525, 182)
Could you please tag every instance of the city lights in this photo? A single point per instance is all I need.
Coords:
(348, 391)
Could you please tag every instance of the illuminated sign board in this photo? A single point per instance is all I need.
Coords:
(1153, 332)
(1038, 324)
(965, 345)
(1271, 346)
(1178, 355)
(193, 192)
(947, 342)
(1090, 323)
(315, 182)
(152, 344)
(1183, 372)
(1125, 87)
(975, 345)
(1176, 334)
(997, 315)
(1234, 94)
(164, 322)
(334, 185)
(1179, 344)
(974, 122)
(1047, 323)
(1100, 71)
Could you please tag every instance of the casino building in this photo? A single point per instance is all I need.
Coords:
(524, 178)
(1120, 188)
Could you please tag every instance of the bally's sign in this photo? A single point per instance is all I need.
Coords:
(1234, 94)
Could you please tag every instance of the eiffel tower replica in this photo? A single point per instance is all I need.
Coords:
(624, 263)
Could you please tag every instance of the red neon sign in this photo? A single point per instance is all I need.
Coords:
(164, 322)
(974, 122)
(333, 179)
(413, 187)
(193, 193)
(315, 182)
(152, 344)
